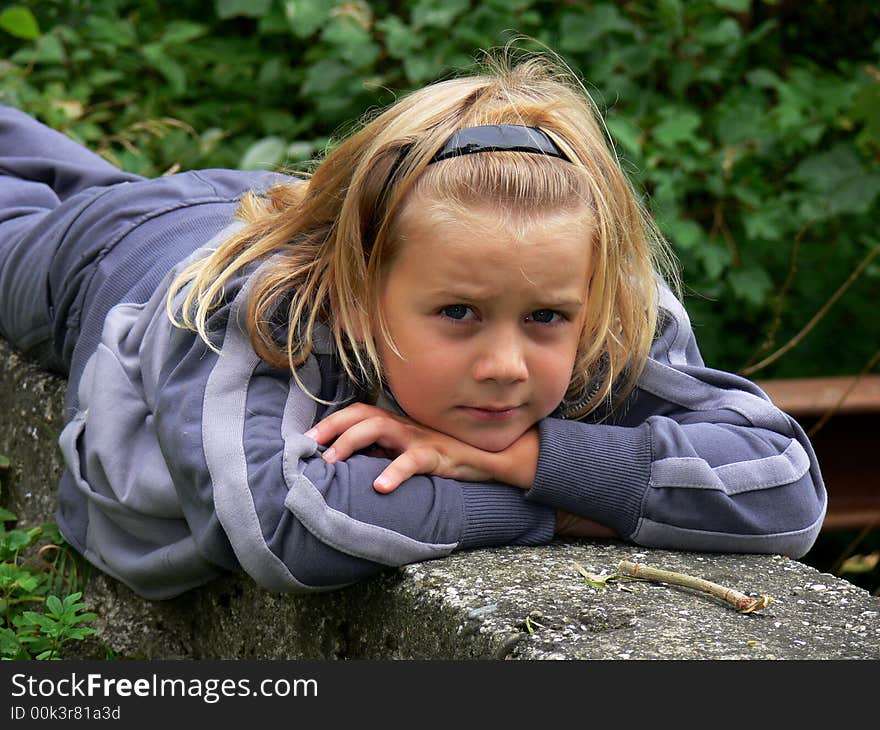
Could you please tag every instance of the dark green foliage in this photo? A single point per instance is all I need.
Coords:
(850, 554)
(752, 129)
(36, 567)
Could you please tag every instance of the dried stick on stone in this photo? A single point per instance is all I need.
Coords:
(740, 601)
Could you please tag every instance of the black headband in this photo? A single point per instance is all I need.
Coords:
(499, 138)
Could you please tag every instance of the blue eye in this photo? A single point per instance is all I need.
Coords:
(544, 316)
(456, 311)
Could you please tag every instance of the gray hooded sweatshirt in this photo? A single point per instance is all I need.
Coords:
(184, 463)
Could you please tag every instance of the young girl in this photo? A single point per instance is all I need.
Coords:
(453, 334)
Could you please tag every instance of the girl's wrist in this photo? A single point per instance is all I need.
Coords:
(517, 464)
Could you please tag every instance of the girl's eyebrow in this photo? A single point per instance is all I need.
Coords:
(462, 293)
(459, 290)
(551, 302)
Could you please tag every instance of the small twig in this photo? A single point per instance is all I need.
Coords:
(875, 358)
(823, 310)
(531, 623)
(720, 226)
(770, 338)
(591, 579)
(851, 548)
(740, 601)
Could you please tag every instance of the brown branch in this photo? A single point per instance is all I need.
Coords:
(851, 548)
(719, 225)
(740, 601)
(875, 358)
(796, 340)
(770, 338)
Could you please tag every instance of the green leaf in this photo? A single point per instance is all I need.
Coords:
(299, 151)
(855, 196)
(20, 22)
(173, 72)
(20, 579)
(244, 8)
(684, 234)
(626, 134)
(323, 76)
(419, 69)
(726, 33)
(400, 39)
(594, 580)
(866, 108)
(743, 116)
(763, 78)
(671, 12)
(768, 222)
(32, 618)
(4, 462)
(715, 258)
(72, 599)
(80, 633)
(750, 284)
(50, 49)
(106, 31)
(735, 6)
(210, 139)
(578, 31)
(7, 516)
(80, 618)
(17, 539)
(842, 182)
(827, 170)
(677, 126)
(105, 77)
(352, 42)
(793, 107)
(53, 603)
(180, 32)
(860, 563)
(10, 647)
(51, 532)
(429, 13)
(305, 17)
(264, 154)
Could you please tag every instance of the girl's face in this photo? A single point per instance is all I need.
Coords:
(486, 312)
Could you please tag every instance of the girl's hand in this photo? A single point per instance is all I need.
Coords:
(417, 449)
(571, 525)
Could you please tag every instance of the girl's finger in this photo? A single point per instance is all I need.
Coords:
(337, 423)
(376, 430)
(408, 464)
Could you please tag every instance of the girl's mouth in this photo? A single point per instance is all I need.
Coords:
(491, 413)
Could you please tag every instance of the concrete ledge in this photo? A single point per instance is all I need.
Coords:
(472, 605)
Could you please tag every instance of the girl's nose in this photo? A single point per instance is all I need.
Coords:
(502, 359)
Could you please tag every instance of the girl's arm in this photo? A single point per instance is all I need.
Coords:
(697, 459)
(184, 461)
(256, 492)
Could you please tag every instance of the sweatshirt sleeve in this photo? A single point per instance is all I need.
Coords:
(258, 496)
(699, 459)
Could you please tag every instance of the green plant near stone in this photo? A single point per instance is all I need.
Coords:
(40, 592)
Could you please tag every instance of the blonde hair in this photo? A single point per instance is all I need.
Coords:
(332, 235)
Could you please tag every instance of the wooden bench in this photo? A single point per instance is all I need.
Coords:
(842, 417)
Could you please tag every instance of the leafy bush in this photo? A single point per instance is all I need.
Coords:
(753, 132)
(36, 567)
